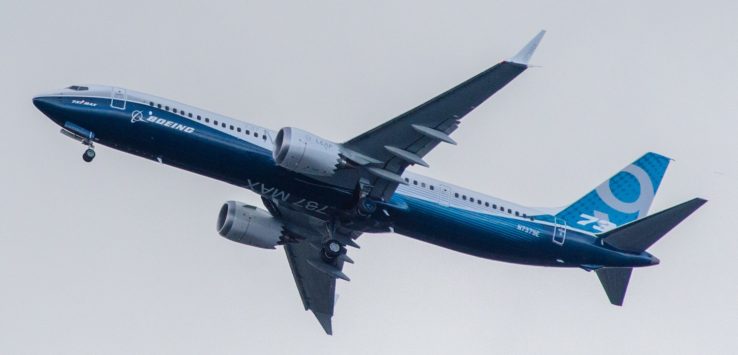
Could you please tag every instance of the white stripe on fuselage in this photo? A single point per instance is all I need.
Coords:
(419, 191)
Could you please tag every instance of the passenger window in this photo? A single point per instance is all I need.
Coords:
(256, 135)
(174, 110)
(456, 195)
(223, 124)
(509, 210)
(502, 209)
(198, 117)
(463, 197)
(215, 122)
(479, 202)
(166, 108)
(516, 213)
(232, 127)
(486, 204)
(189, 115)
(158, 105)
(407, 180)
(264, 136)
(151, 103)
(422, 184)
(207, 120)
(415, 182)
(494, 206)
(238, 129)
(431, 187)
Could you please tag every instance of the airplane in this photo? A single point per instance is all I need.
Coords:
(319, 196)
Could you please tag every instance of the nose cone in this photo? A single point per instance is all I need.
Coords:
(52, 107)
(43, 103)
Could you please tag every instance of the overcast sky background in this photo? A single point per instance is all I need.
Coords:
(121, 256)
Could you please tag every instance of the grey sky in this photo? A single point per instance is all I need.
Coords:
(120, 256)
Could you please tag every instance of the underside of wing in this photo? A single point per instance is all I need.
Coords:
(317, 287)
(316, 254)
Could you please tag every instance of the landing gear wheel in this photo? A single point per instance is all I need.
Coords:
(366, 207)
(88, 155)
(331, 250)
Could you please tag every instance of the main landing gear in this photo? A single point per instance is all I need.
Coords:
(331, 250)
(366, 207)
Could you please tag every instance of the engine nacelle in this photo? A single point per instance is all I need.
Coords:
(305, 153)
(248, 225)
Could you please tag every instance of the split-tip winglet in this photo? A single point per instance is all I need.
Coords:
(523, 57)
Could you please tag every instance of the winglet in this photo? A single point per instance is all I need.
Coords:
(523, 57)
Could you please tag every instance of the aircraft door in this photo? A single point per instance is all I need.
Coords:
(443, 195)
(118, 99)
(559, 231)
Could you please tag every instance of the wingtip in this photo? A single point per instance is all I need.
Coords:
(325, 322)
(523, 57)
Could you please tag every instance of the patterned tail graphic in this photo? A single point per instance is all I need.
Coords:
(623, 198)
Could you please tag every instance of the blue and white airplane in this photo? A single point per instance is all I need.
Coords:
(321, 195)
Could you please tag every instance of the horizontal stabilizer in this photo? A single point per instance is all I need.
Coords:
(615, 282)
(638, 236)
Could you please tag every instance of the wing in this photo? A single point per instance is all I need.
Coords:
(317, 288)
(315, 276)
(405, 139)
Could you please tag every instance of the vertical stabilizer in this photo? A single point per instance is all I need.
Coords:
(621, 199)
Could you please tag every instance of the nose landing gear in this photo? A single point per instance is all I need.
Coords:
(89, 154)
(83, 135)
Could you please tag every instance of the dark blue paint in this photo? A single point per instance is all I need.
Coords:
(215, 154)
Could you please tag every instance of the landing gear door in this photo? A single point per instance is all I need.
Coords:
(559, 231)
(118, 99)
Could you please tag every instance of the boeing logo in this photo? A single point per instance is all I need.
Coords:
(137, 116)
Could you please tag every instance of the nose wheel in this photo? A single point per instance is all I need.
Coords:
(88, 155)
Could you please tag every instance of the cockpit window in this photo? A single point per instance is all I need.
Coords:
(78, 88)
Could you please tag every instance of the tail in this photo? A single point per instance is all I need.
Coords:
(635, 238)
(621, 199)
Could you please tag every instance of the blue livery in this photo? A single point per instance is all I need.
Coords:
(320, 196)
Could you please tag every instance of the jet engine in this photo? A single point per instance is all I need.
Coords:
(248, 225)
(305, 153)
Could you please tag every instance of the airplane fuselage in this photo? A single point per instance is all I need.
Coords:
(241, 154)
